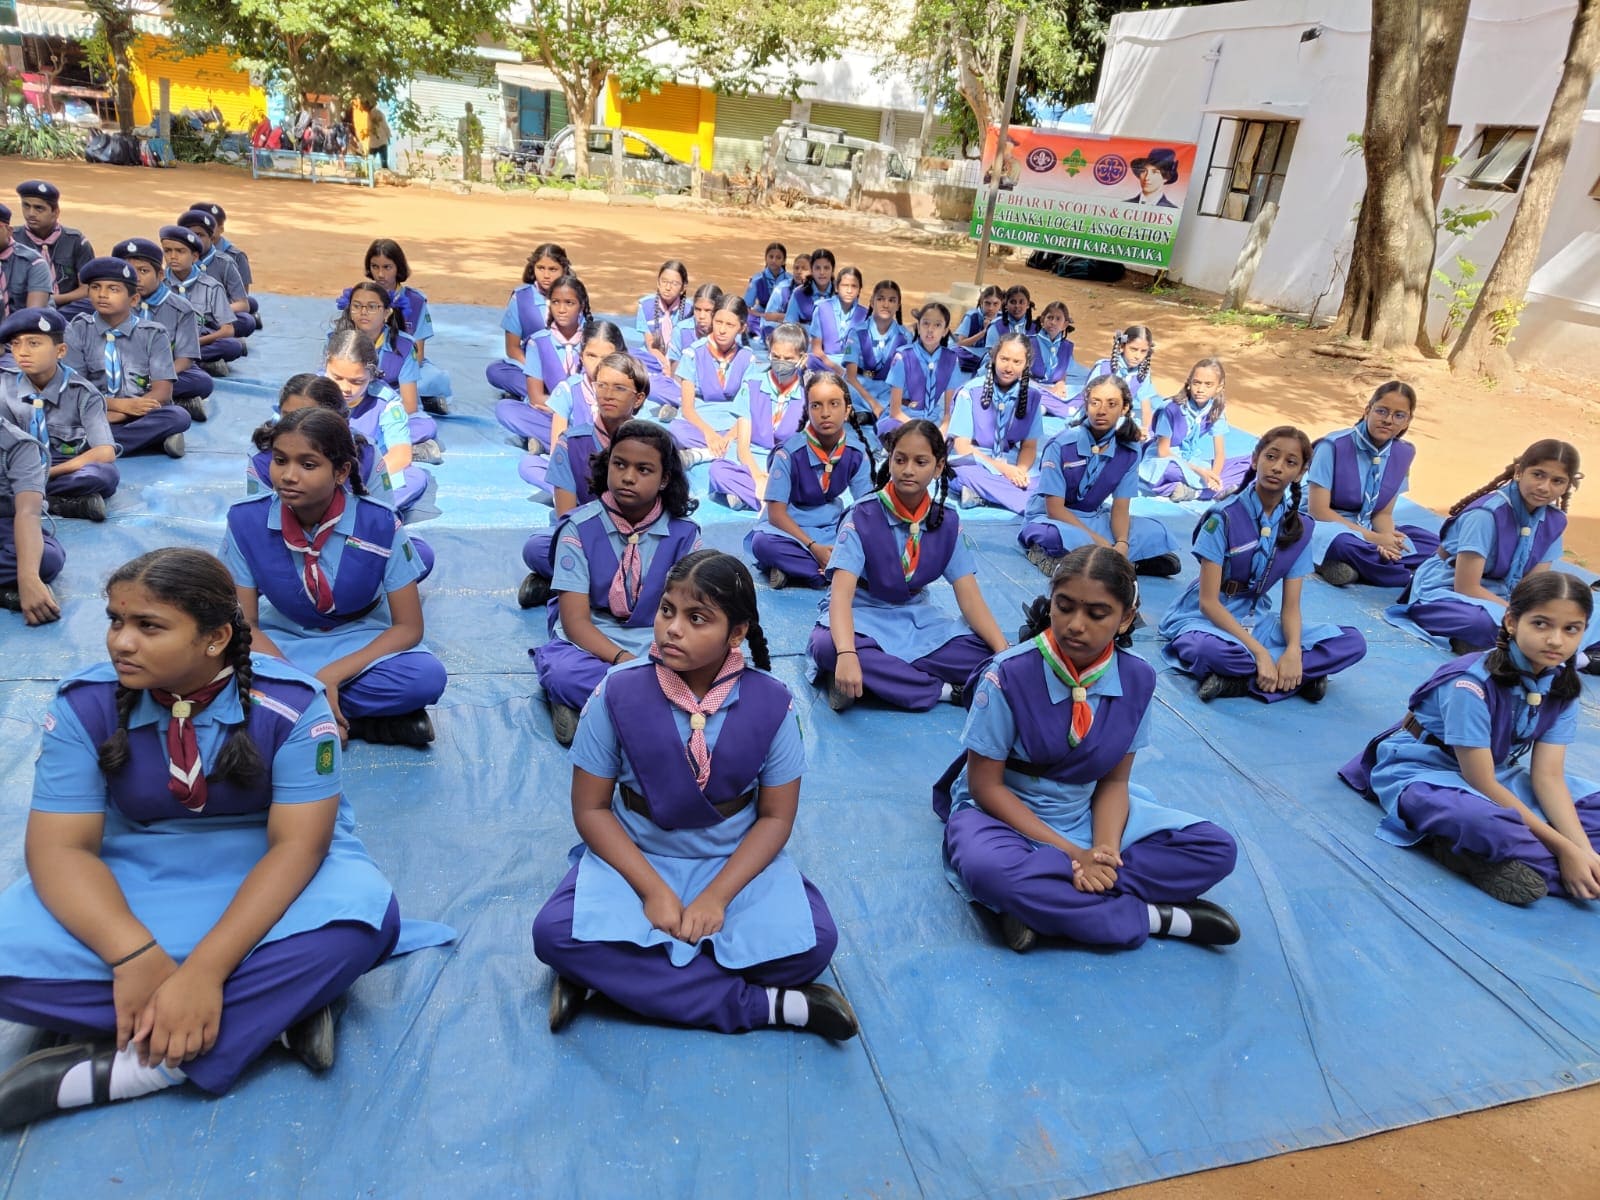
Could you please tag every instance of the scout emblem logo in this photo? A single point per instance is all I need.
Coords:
(325, 758)
(1110, 169)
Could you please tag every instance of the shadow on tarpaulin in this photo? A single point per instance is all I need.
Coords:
(1371, 989)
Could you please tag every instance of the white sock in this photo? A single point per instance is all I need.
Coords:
(1182, 926)
(946, 693)
(129, 1080)
(796, 1012)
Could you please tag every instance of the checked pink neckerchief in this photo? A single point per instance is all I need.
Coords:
(700, 711)
(626, 582)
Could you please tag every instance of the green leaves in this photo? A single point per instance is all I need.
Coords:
(341, 47)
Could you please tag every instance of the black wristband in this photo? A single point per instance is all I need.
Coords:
(128, 958)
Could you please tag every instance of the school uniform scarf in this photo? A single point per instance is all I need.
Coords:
(186, 773)
(311, 543)
(700, 711)
(912, 554)
(625, 584)
(43, 246)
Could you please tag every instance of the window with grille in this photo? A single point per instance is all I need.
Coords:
(1249, 160)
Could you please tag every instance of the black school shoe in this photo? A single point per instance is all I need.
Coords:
(828, 1013)
(408, 729)
(437, 405)
(11, 598)
(566, 998)
(1337, 573)
(28, 1090)
(81, 508)
(1163, 566)
(311, 1039)
(196, 408)
(1016, 934)
(1510, 881)
(534, 591)
(1210, 924)
(1223, 687)
(1313, 690)
(564, 722)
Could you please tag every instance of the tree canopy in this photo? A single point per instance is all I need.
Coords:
(341, 47)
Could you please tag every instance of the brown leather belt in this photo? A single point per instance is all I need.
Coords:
(1414, 727)
(1232, 587)
(635, 802)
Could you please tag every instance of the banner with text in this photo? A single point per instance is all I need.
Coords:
(1076, 193)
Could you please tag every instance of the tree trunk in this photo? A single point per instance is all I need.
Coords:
(1415, 45)
(1481, 348)
(972, 84)
(124, 89)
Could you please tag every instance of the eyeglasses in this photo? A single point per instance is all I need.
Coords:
(367, 310)
(616, 391)
(1398, 415)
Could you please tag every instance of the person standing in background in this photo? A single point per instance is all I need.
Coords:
(379, 137)
(469, 132)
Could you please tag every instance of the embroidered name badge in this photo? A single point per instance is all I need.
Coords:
(356, 543)
(325, 757)
(1471, 685)
(324, 729)
(271, 705)
(1240, 549)
(1082, 462)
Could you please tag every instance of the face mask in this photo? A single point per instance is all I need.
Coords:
(784, 372)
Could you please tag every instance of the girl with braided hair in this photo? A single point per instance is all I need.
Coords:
(1223, 630)
(1451, 774)
(1133, 355)
(681, 904)
(195, 892)
(1508, 530)
(996, 427)
(1042, 823)
(338, 575)
(880, 631)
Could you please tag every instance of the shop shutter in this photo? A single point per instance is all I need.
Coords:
(750, 118)
(674, 109)
(852, 118)
(442, 100)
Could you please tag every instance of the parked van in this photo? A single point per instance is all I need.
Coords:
(817, 159)
(643, 161)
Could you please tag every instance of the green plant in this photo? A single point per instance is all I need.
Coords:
(1504, 321)
(1461, 294)
(1260, 322)
(193, 144)
(1463, 220)
(30, 136)
(1354, 144)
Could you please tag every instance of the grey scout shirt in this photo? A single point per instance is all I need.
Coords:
(146, 353)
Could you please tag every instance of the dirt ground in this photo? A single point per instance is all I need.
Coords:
(308, 240)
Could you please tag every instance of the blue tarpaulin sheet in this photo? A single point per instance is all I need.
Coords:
(1371, 989)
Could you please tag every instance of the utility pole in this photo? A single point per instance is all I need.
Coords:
(1000, 147)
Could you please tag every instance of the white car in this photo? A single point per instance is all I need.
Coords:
(642, 160)
(817, 159)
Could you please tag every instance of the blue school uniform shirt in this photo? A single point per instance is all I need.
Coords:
(573, 395)
(820, 522)
(647, 304)
(1374, 463)
(24, 463)
(571, 572)
(1005, 401)
(1144, 390)
(1474, 533)
(1211, 544)
(597, 749)
(1196, 445)
(1072, 445)
(884, 342)
(1003, 325)
(410, 369)
(568, 353)
(753, 300)
(797, 298)
(511, 319)
(559, 473)
(1047, 352)
(1458, 715)
(21, 272)
(312, 649)
(145, 349)
(715, 415)
(177, 316)
(206, 296)
(928, 364)
(74, 410)
(843, 322)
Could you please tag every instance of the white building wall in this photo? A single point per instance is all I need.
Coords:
(1171, 72)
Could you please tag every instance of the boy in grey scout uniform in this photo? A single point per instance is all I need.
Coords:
(65, 251)
(159, 303)
(61, 410)
(24, 275)
(129, 360)
(218, 346)
(29, 557)
(221, 268)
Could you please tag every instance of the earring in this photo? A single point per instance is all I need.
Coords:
(211, 649)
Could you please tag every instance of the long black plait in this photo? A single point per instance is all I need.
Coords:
(936, 516)
(757, 637)
(240, 760)
(866, 444)
(1035, 617)
(113, 752)
(1289, 529)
